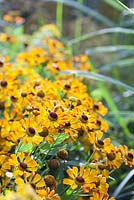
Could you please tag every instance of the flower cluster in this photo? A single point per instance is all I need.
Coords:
(42, 119)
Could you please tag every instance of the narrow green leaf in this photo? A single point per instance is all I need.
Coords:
(99, 77)
(113, 107)
(124, 114)
(85, 10)
(126, 194)
(60, 138)
(26, 147)
(119, 63)
(124, 6)
(109, 49)
(114, 4)
(100, 32)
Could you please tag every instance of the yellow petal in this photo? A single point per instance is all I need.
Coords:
(40, 184)
(68, 181)
(36, 178)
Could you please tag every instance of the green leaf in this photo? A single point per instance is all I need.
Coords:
(26, 147)
(61, 94)
(86, 10)
(60, 138)
(98, 77)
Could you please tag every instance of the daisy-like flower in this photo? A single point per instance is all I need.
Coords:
(35, 180)
(31, 128)
(21, 163)
(72, 88)
(100, 108)
(112, 157)
(100, 196)
(127, 155)
(52, 118)
(51, 195)
(83, 178)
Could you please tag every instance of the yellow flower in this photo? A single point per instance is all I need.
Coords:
(84, 178)
(21, 163)
(127, 155)
(100, 196)
(51, 195)
(35, 180)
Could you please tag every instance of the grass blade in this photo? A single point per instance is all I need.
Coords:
(109, 49)
(108, 98)
(86, 10)
(99, 77)
(124, 114)
(125, 7)
(123, 183)
(114, 4)
(119, 63)
(100, 32)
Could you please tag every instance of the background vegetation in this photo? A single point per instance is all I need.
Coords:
(103, 30)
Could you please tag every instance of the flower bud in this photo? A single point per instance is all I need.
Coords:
(62, 154)
(53, 164)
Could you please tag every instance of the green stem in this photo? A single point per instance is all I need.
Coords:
(59, 15)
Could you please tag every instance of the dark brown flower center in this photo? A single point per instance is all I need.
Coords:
(67, 124)
(2, 105)
(98, 122)
(99, 143)
(1, 63)
(53, 116)
(31, 130)
(111, 156)
(84, 118)
(23, 165)
(3, 83)
(41, 94)
(130, 156)
(67, 87)
(14, 99)
(23, 94)
(44, 132)
(79, 180)
(95, 106)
